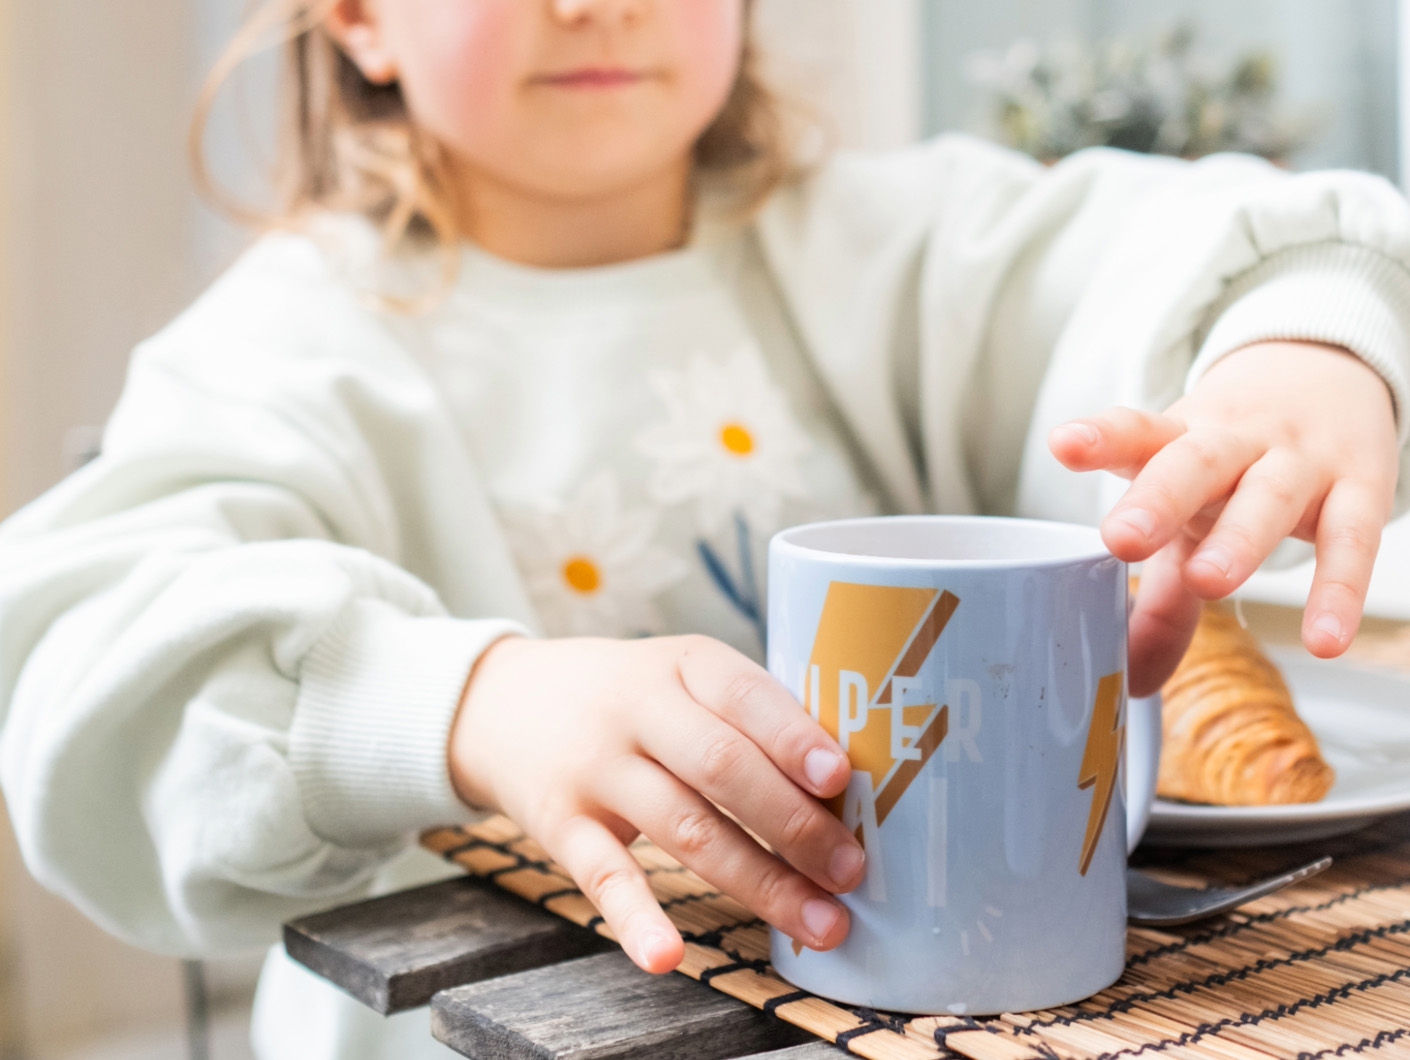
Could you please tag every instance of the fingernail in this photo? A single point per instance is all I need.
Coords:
(1085, 431)
(820, 917)
(820, 764)
(846, 865)
(1139, 520)
(1221, 559)
(654, 947)
(1329, 624)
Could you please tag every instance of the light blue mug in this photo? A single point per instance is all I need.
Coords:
(975, 672)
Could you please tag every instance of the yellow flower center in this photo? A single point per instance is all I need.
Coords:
(736, 438)
(582, 575)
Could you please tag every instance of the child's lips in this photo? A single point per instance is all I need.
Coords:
(593, 77)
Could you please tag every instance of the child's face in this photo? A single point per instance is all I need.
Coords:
(557, 97)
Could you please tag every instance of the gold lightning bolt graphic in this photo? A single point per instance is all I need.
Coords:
(877, 634)
(1100, 760)
(870, 637)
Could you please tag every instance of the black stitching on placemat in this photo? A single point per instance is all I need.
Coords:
(543, 899)
(847, 1037)
(1230, 929)
(545, 867)
(759, 966)
(564, 892)
(872, 1022)
(683, 899)
(754, 921)
(871, 1015)
(969, 1024)
(524, 863)
(520, 861)
(715, 937)
(966, 1025)
(1247, 1019)
(1342, 945)
(773, 1004)
(1384, 1038)
(465, 848)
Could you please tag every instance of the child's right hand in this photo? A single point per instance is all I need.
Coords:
(587, 744)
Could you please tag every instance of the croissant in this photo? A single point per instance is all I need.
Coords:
(1230, 734)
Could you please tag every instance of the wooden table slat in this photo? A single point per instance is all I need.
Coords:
(393, 953)
(604, 1008)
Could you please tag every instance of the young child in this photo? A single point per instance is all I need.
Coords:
(346, 570)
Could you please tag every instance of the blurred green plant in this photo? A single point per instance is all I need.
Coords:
(1161, 96)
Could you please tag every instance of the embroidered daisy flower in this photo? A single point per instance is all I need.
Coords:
(730, 443)
(591, 566)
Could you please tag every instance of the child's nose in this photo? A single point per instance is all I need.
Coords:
(575, 11)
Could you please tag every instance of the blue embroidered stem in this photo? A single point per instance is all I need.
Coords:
(721, 577)
(750, 586)
(743, 594)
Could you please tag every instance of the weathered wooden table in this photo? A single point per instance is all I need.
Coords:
(1317, 971)
(508, 980)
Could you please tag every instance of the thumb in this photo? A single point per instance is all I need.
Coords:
(1163, 621)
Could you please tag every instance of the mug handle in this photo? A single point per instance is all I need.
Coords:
(1142, 765)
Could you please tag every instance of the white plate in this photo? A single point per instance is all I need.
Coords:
(1362, 718)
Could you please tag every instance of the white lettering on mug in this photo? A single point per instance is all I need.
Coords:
(852, 701)
(962, 695)
(859, 808)
(809, 678)
(938, 844)
(905, 739)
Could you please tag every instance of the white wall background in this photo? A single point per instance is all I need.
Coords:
(95, 217)
(97, 212)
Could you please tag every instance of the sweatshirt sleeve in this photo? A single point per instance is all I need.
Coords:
(225, 697)
(961, 300)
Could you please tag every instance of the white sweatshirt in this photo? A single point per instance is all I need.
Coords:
(232, 647)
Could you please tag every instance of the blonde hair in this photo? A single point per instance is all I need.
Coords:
(349, 145)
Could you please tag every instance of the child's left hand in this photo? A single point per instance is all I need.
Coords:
(1277, 439)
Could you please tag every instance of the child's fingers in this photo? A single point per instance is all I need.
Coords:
(1348, 535)
(1271, 500)
(1163, 620)
(730, 770)
(747, 697)
(1185, 477)
(616, 885)
(1119, 440)
(702, 838)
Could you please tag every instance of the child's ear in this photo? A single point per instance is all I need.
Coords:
(357, 27)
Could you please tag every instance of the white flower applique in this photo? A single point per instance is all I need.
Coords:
(591, 564)
(731, 446)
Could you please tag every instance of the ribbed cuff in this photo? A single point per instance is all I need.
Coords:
(1335, 293)
(377, 697)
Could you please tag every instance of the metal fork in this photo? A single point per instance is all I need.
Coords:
(1156, 904)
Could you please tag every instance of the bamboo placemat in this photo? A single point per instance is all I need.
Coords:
(1319, 970)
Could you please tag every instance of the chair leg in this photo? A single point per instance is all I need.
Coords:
(198, 1028)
